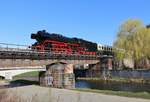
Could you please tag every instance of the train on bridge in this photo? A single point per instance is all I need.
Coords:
(57, 43)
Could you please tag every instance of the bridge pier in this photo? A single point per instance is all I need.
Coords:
(106, 66)
(101, 69)
(58, 75)
(93, 70)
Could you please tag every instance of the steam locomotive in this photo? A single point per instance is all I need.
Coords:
(57, 43)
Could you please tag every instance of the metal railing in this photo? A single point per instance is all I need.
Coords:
(4, 47)
(14, 47)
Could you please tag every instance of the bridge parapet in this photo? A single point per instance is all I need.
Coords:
(6, 63)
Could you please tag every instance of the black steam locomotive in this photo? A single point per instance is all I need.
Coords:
(69, 44)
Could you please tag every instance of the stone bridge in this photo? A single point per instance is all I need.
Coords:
(17, 61)
(14, 61)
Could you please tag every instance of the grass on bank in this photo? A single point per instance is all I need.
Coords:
(28, 74)
(144, 95)
(21, 78)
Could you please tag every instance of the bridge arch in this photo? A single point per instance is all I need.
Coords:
(54, 63)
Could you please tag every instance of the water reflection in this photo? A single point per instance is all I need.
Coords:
(115, 86)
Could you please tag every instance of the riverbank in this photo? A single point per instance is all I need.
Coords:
(144, 95)
(45, 94)
(108, 91)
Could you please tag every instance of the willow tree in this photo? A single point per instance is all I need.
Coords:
(132, 41)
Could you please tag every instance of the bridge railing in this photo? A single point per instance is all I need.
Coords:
(26, 50)
(13, 47)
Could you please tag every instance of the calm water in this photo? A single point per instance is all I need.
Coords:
(115, 86)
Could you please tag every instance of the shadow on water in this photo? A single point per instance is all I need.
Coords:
(21, 82)
(114, 86)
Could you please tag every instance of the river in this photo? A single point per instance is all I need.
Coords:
(115, 86)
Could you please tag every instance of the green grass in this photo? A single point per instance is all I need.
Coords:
(144, 95)
(28, 74)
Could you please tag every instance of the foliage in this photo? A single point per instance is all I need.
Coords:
(132, 41)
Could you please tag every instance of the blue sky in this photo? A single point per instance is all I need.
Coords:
(94, 20)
